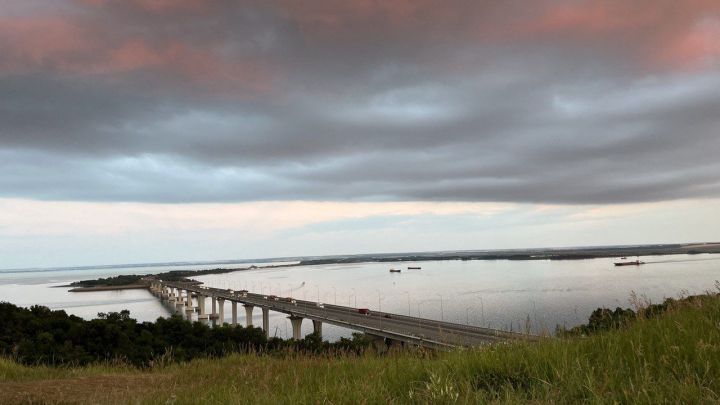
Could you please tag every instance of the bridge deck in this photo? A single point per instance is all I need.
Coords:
(420, 331)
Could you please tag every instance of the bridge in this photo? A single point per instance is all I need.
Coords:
(381, 325)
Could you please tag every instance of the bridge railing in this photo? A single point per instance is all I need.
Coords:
(421, 321)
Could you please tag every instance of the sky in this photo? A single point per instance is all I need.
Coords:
(163, 130)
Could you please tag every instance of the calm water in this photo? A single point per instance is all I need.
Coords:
(502, 294)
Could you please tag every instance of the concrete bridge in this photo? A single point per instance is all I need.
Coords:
(390, 327)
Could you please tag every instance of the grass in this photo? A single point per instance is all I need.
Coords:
(672, 358)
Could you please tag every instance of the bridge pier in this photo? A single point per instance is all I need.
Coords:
(317, 328)
(179, 302)
(221, 310)
(201, 307)
(266, 321)
(189, 300)
(248, 314)
(213, 314)
(234, 313)
(296, 322)
(189, 305)
(378, 342)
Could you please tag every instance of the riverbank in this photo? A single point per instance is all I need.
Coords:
(670, 358)
(579, 253)
(109, 288)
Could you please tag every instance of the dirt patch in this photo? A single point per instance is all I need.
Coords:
(81, 390)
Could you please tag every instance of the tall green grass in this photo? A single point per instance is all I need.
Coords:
(672, 358)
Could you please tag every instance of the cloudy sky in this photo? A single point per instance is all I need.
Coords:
(160, 130)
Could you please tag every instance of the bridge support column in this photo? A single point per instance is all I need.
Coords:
(189, 305)
(378, 342)
(179, 301)
(248, 314)
(296, 322)
(234, 313)
(266, 321)
(317, 328)
(201, 307)
(213, 314)
(221, 310)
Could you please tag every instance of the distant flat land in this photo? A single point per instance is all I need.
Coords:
(571, 253)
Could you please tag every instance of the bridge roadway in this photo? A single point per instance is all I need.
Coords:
(412, 330)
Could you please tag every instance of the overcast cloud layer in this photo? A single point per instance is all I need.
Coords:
(216, 101)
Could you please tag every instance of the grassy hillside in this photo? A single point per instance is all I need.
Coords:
(672, 358)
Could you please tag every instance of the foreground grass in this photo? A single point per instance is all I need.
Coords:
(674, 358)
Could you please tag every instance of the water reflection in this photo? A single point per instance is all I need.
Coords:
(510, 295)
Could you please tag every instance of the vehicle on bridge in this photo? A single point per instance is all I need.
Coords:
(291, 300)
(320, 305)
(364, 311)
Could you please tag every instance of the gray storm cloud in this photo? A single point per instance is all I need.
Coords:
(461, 101)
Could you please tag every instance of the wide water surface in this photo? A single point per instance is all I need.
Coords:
(500, 294)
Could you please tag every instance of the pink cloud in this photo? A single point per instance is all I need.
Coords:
(154, 6)
(66, 46)
(42, 42)
(657, 35)
(695, 49)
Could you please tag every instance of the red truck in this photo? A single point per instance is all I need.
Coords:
(364, 311)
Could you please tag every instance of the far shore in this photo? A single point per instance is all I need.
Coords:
(107, 287)
(582, 253)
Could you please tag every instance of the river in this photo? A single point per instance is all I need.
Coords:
(505, 294)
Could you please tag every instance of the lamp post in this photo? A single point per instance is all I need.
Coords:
(467, 316)
(380, 307)
(408, 296)
(482, 312)
(335, 292)
(442, 312)
(354, 295)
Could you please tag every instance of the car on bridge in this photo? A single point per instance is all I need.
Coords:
(291, 300)
(320, 305)
(364, 311)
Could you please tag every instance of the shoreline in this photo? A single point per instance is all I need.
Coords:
(107, 287)
(518, 255)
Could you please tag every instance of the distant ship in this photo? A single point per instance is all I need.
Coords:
(633, 263)
(395, 270)
(413, 268)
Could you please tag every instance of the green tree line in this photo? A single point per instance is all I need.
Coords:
(38, 335)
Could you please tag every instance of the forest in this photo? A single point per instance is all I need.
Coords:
(38, 335)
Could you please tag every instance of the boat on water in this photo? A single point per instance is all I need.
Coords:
(395, 270)
(413, 268)
(633, 263)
